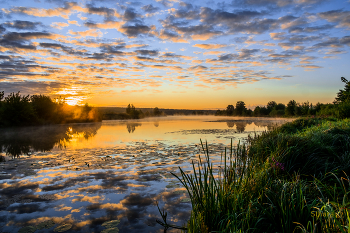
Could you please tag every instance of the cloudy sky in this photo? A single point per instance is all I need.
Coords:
(200, 54)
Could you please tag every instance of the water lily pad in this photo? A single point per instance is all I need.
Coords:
(186, 200)
(110, 230)
(45, 225)
(63, 227)
(169, 186)
(180, 191)
(111, 224)
(27, 229)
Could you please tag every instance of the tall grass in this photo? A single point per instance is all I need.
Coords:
(291, 179)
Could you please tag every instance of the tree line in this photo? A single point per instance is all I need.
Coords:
(132, 113)
(339, 108)
(24, 110)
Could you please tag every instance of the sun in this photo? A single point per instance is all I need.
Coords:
(73, 95)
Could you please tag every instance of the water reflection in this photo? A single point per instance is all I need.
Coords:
(97, 173)
(20, 141)
(132, 126)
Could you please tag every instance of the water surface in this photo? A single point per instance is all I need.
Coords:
(76, 177)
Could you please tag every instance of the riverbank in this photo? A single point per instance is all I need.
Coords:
(291, 179)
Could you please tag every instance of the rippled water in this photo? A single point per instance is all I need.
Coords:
(78, 177)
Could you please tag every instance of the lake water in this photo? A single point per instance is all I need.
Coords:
(77, 177)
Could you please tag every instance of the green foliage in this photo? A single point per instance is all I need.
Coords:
(343, 95)
(290, 109)
(43, 106)
(157, 112)
(240, 108)
(230, 110)
(291, 179)
(17, 110)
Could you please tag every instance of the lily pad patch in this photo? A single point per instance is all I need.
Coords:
(63, 227)
(27, 229)
(111, 230)
(111, 224)
(45, 225)
(186, 200)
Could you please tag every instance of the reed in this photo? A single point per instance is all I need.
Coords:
(291, 179)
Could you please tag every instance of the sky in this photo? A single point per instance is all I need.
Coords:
(198, 54)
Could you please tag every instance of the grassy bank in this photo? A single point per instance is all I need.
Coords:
(291, 179)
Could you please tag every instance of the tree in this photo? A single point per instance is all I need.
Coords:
(230, 110)
(130, 109)
(240, 108)
(343, 95)
(257, 111)
(157, 112)
(18, 111)
(270, 105)
(280, 106)
(305, 108)
(43, 106)
(290, 110)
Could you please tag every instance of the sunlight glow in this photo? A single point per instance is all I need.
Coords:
(73, 95)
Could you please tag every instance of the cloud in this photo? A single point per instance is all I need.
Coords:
(23, 25)
(150, 8)
(108, 13)
(90, 32)
(209, 46)
(211, 16)
(337, 16)
(147, 52)
(105, 25)
(136, 30)
(15, 36)
(130, 14)
(59, 25)
(280, 3)
(63, 12)
(2, 29)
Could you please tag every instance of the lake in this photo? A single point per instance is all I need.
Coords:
(79, 177)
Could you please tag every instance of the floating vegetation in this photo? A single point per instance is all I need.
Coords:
(169, 186)
(186, 200)
(111, 226)
(27, 229)
(180, 191)
(110, 230)
(63, 227)
(45, 225)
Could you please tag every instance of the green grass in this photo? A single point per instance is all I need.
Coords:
(291, 179)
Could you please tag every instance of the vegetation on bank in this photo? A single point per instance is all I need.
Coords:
(294, 178)
(132, 113)
(339, 108)
(291, 179)
(24, 110)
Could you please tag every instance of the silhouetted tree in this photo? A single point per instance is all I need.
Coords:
(280, 106)
(290, 109)
(43, 106)
(343, 95)
(130, 109)
(270, 105)
(305, 108)
(230, 110)
(17, 110)
(257, 111)
(157, 112)
(240, 108)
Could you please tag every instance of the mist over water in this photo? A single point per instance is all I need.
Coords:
(80, 176)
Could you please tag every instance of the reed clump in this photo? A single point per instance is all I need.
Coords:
(291, 179)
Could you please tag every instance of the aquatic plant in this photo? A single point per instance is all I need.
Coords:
(291, 179)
